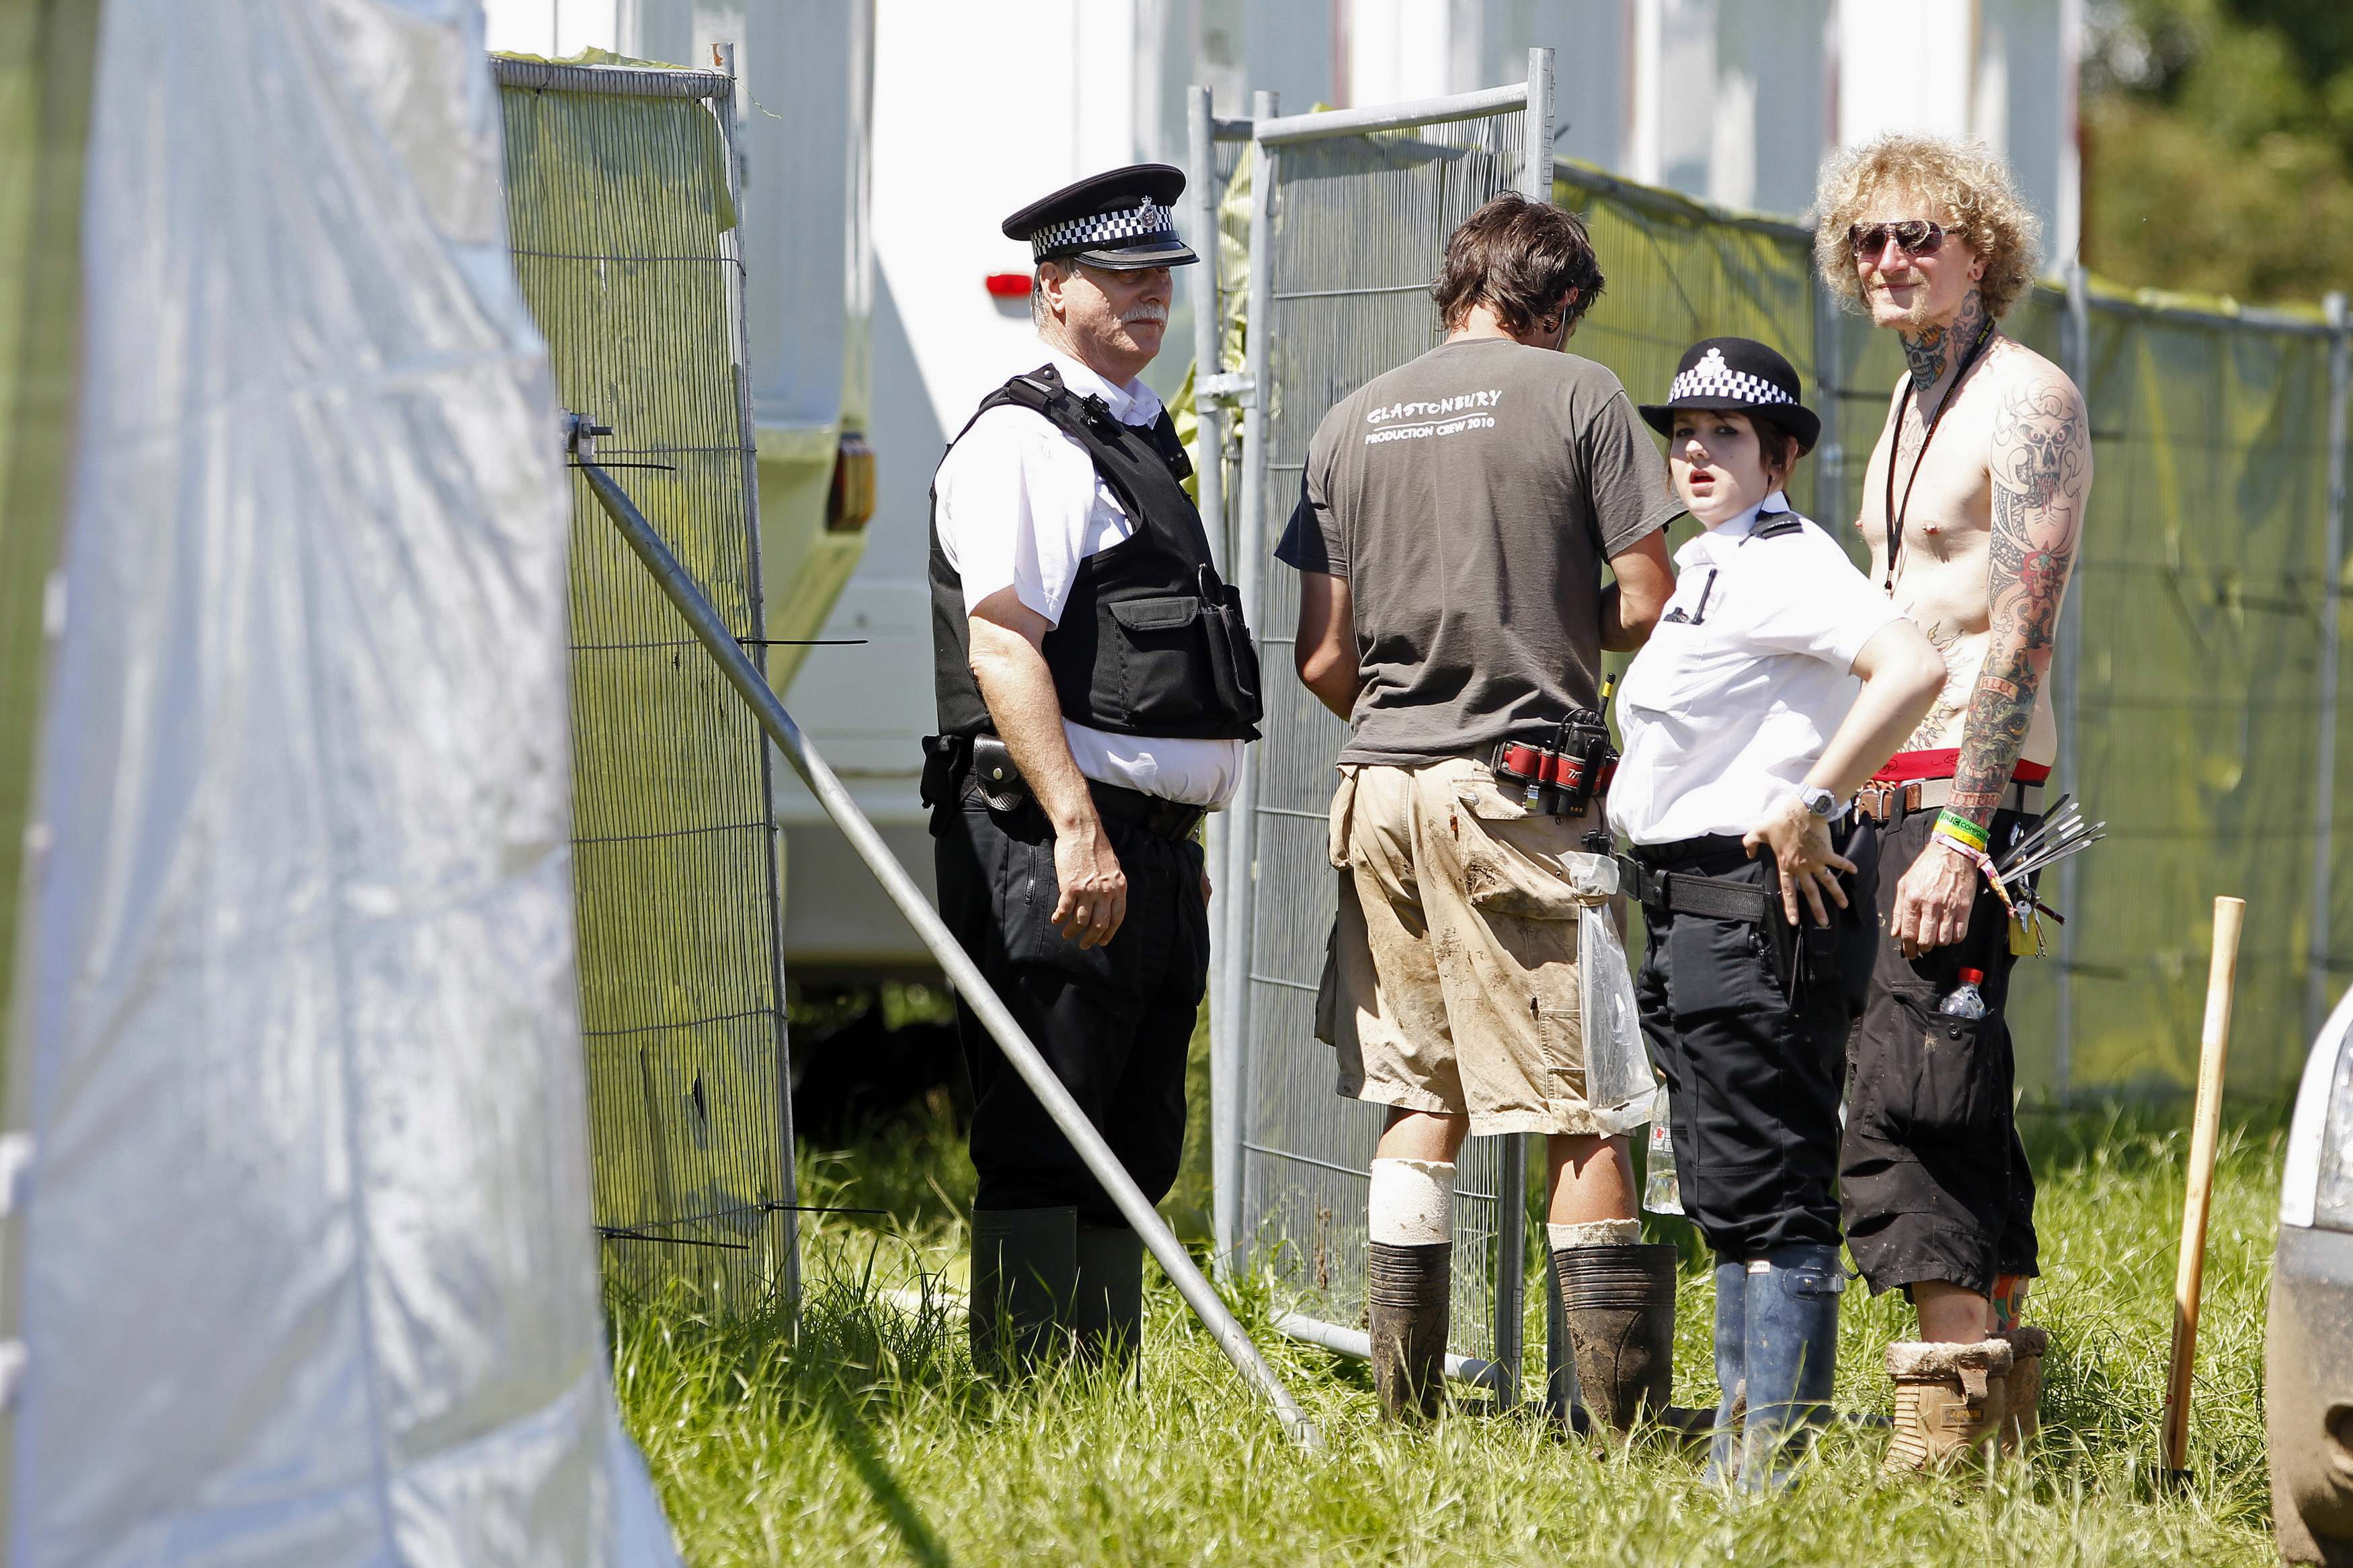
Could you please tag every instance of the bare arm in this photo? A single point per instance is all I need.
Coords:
(1324, 651)
(1901, 673)
(2041, 470)
(1006, 634)
(1631, 605)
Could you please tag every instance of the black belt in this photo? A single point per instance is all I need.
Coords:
(1685, 893)
(1004, 789)
(1168, 819)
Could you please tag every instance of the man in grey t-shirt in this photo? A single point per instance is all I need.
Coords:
(1449, 535)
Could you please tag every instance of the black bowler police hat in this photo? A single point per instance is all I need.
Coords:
(1122, 218)
(1741, 374)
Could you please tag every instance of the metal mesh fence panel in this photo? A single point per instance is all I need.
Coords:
(1357, 225)
(621, 213)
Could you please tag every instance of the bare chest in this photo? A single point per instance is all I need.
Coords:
(1927, 496)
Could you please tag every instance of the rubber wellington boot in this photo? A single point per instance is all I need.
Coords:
(1621, 1304)
(1024, 1271)
(1949, 1400)
(1408, 1294)
(1107, 1310)
(2022, 1420)
(1790, 1351)
(1731, 1365)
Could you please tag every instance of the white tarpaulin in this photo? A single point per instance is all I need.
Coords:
(307, 1273)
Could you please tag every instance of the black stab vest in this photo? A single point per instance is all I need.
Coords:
(1150, 641)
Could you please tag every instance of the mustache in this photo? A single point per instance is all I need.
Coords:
(1141, 313)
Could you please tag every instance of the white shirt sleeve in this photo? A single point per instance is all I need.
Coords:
(1817, 605)
(1014, 498)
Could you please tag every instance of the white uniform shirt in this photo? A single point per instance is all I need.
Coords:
(1020, 506)
(1746, 678)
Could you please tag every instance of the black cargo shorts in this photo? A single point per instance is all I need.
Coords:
(1932, 1179)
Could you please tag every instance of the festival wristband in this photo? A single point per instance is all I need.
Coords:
(1983, 862)
(1952, 824)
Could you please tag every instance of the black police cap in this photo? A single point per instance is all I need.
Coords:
(1122, 218)
(1741, 374)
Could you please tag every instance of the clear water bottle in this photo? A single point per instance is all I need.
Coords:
(1660, 1194)
(1966, 1000)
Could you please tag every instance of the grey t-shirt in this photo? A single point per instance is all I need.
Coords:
(1469, 497)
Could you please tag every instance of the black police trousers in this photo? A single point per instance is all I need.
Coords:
(1752, 1073)
(1112, 1021)
(1936, 1180)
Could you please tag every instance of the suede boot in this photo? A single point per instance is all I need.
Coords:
(1731, 1365)
(1789, 1351)
(1107, 1307)
(1024, 1272)
(1949, 1400)
(1620, 1305)
(2022, 1420)
(1408, 1295)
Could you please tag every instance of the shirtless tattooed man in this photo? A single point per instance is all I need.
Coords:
(1973, 505)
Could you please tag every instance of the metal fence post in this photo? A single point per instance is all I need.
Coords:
(1512, 1209)
(1209, 475)
(2324, 799)
(1536, 169)
(1829, 458)
(1249, 551)
(2068, 677)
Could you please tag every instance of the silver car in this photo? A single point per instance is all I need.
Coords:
(2308, 1356)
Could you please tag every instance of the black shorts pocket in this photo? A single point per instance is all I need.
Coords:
(1938, 1079)
(1712, 965)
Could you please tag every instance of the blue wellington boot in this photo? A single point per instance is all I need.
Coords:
(1731, 1362)
(1790, 1348)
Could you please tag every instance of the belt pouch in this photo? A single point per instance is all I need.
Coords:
(940, 757)
(994, 778)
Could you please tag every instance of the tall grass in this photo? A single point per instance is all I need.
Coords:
(868, 1440)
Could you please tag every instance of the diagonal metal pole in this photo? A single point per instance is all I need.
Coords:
(961, 972)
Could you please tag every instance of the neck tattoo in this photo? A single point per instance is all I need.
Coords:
(1933, 351)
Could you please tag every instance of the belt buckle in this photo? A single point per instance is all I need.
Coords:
(1872, 800)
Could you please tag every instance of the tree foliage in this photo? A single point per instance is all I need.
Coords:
(2218, 145)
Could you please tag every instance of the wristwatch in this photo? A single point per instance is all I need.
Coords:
(1819, 802)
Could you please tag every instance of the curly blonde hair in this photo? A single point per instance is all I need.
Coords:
(1962, 177)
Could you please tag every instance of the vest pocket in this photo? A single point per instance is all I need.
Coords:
(1156, 673)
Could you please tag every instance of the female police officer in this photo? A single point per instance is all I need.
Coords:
(1744, 731)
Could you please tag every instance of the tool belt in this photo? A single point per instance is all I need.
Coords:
(1886, 803)
(1564, 778)
(1799, 952)
(980, 767)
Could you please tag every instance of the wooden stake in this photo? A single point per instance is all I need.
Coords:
(2190, 1272)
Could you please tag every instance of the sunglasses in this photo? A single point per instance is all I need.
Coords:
(1916, 237)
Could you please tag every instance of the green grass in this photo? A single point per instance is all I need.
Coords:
(869, 1441)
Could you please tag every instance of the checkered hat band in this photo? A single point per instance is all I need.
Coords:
(1711, 377)
(1103, 231)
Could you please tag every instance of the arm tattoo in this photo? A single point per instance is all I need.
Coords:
(2042, 469)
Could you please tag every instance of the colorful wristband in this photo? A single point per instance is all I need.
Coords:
(1984, 862)
(1952, 824)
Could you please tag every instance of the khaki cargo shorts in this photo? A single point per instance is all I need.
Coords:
(1452, 983)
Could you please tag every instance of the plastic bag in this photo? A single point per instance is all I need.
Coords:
(1618, 1083)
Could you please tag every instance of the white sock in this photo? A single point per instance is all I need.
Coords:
(1412, 1203)
(1594, 1233)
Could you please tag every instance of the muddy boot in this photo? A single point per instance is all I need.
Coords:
(1620, 1305)
(1789, 1351)
(1407, 1292)
(1024, 1269)
(1949, 1400)
(1107, 1307)
(2022, 1420)
(1731, 1373)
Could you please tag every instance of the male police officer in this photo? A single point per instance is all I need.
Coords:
(1096, 686)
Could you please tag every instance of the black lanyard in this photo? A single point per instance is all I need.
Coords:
(1889, 515)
